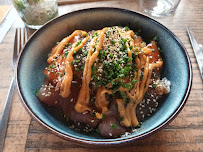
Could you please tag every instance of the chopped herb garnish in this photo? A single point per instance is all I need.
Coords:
(125, 58)
(121, 119)
(124, 96)
(130, 59)
(77, 61)
(127, 85)
(121, 75)
(113, 41)
(124, 40)
(155, 38)
(141, 77)
(80, 49)
(82, 67)
(74, 52)
(86, 53)
(134, 81)
(114, 126)
(127, 28)
(78, 43)
(37, 92)
(119, 61)
(95, 34)
(111, 55)
(97, 130)
(154, 86)
(160, 50)
(65, 54)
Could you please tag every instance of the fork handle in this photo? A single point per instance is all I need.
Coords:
(5, 114)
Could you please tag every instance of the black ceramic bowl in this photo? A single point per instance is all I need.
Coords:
(32, 61)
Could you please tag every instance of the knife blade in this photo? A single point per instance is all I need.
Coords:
(198, 50)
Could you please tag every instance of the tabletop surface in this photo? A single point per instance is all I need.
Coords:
(184, 133)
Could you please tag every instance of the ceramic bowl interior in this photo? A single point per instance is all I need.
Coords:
(32, 61)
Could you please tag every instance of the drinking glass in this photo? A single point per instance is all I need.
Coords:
(35, 13)
(159, 8)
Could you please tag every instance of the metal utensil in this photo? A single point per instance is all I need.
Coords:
(198, 50)
(20, 39)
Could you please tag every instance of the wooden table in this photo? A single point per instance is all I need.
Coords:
(185, 133)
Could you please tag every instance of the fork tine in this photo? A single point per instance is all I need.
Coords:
(23, 38)
(16, 46)
(26, 35)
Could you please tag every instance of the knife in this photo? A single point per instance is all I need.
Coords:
(198, 50)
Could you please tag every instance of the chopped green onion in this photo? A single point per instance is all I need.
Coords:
(154, 86)
(134, 81)
(155, 38)
(113, 41)
(103, 117)
(130, 59)
(66, 53)
(127, 28)
(114, 126)
(74, 52)
(80, 49)
(124, 40)
(82, 67)
(78, 43)
(121, 75)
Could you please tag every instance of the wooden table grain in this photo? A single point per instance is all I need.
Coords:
(184, 133)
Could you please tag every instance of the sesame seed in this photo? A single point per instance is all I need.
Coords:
(47, 95)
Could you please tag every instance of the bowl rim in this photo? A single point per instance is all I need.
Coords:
(119, 142)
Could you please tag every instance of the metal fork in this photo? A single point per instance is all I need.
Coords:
(20, 39)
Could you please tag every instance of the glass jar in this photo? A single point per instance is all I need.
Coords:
(35, 13)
